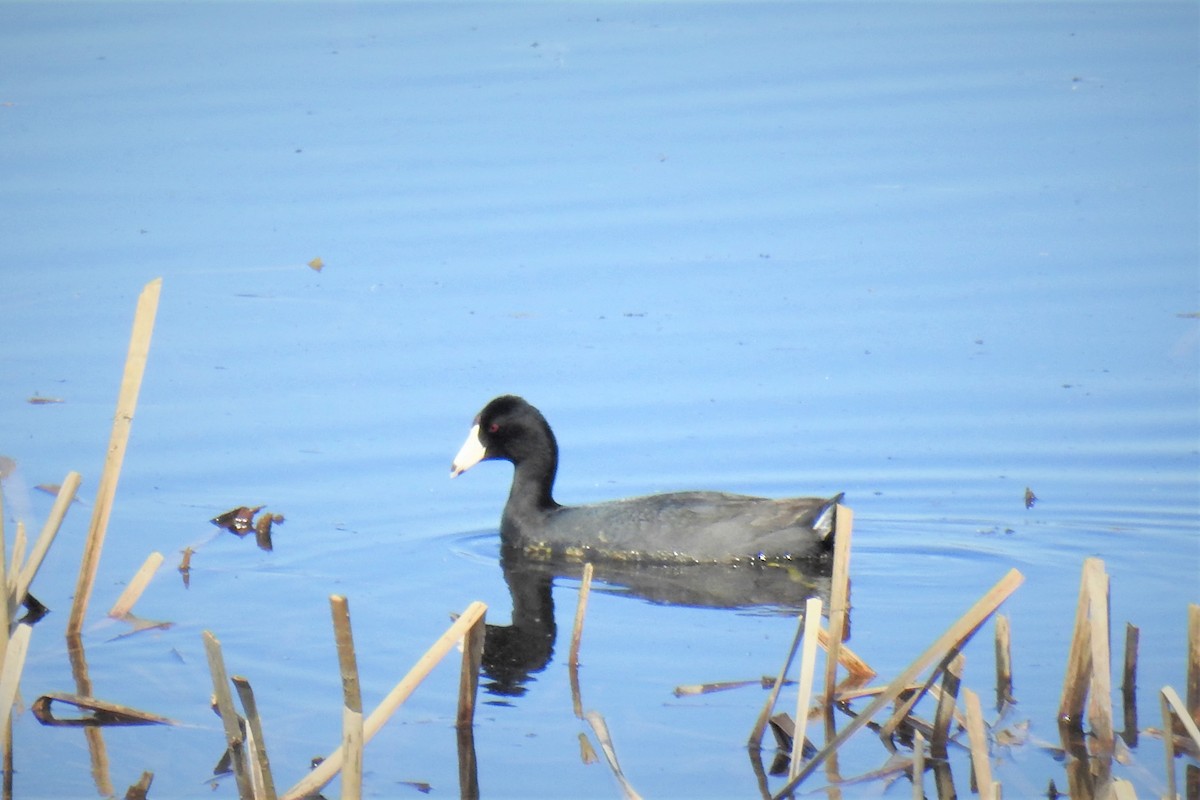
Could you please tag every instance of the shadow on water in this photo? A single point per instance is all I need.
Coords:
(513, 653)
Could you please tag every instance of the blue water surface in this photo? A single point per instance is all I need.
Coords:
(926, 254)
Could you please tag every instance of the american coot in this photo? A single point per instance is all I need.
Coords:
(682, 527)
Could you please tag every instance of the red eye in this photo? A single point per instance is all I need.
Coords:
(494, 427)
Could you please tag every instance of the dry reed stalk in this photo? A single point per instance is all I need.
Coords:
(468, 675)
(141, 789)
(585, 588)
(808, 659)
(1004, 694)
(764, 716)
(62, 502)
(17, 645)
(1100, 692)
(352, 713)
(327, 769)
(918, 766)
(839, 599)
(977, 735)
(600, 728)
(860, 671)
(137, 585)
(13, 573)
(229, 716)
(1193, 662)
(1079, 658)
(264, 783)
(951, 681)
(1169, 702)
(954, 636)
(1129, 725)
(1122, 790)
(131, 384)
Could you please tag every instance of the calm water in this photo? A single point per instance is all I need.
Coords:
(927, 255)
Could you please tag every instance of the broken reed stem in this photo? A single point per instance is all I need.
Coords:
(468, 675)
(131, 384)
(327, 769)
(246, 695)
(1079, 657)
(760, 725)
(839, 608)
(1004, 694)
(600, 728)
(860, 671)
(951, 680)
(136, 586)
(17, 645)
(954, 636)
(62, 502)
(808, 659)
(918, 766)
(1193, 663)
(229, 716)
(585, 588)
(1129, 726)
(352, 713)
(977, 735)
(12, 573)
(1169, 701)
(1100, 702)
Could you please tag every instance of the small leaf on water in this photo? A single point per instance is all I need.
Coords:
(317, 264)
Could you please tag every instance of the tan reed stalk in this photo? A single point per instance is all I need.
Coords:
(13, 573)
(1122, 790)
(951, 680)
(1169, 701)
(860, 671)
(839, 598)
(1180, 708)
(1129, 723)
(1193, 662)
(468, 675)
(352, 713)
(229, 716)
(327, 769)
(1004, 694)
(62, 502)
(1079, 658)
(17, 645)
(131, 384)
(977, 735)
(1100, 702)
(808, 659)
(246, 695)
(141, 789)
(918, 766)
(952, 638)
(600, 728)
(136, 585)
(764, 716)
(8, 760)
(585, 588)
